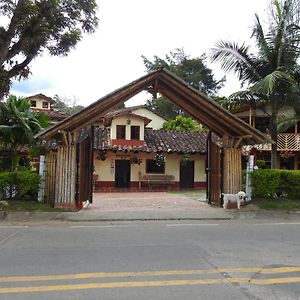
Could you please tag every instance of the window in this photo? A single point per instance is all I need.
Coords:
(121, 132)
(152, 167)
(33, 103)
(45, 104)
(135, 132)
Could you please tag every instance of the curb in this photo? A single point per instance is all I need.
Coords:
(20, 216)
(146, 219)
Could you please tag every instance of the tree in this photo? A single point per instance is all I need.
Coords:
(67, 105)
(18, 125)
(193, 70)
(36, 26)
(271, 73)
(181, 123)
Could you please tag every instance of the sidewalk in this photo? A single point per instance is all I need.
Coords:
(149, 206)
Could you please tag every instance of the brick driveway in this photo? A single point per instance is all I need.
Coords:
(137, 201)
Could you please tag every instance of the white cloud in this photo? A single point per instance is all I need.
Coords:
(111, 57)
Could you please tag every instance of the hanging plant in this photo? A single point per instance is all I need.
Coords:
(185, 159)
(159, 159)
(135, 160)
(102, 155)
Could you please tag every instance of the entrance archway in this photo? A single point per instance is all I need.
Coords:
(228, 132)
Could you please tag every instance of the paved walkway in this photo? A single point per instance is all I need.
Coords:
(149, 206)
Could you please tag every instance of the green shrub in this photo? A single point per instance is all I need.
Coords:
(266, 183)
(292, 185)
(19, 184)
(261, 163)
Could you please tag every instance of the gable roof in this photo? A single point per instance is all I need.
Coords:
(110, 116)
(156, 141)
(42, 96)
(134, 108)
(199, 106)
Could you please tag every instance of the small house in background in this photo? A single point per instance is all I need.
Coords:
(132, 152)
(42, 103)
(288, 142)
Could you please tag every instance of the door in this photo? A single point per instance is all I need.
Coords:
(122, 174)
(187, 174)
(213, 172)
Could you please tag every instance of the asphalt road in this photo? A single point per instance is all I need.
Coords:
(151, 260)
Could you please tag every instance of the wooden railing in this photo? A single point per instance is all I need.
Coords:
(285, 141)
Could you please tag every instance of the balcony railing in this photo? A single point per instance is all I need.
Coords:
(285, 142)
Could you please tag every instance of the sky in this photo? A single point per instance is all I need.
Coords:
(111, 57)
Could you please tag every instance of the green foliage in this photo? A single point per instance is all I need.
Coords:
(68, 106)
(269, 183)
(272, 71)
(18, 125)
(293, 185)
(265, 183)
(181, 123)
(261, 164)
(19, 184)
(35, 26)
(192, 70)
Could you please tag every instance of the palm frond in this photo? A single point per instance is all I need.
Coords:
(268, 84)
(236, 58)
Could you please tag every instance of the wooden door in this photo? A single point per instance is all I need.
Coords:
(84, 178)
(187, 175)
(122, 174)
(213, 172)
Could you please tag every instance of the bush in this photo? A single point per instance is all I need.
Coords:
(266, 183)
(19, 184)
(261, 164)
(293, 184)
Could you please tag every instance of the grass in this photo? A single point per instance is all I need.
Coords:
(279, 203)
(27, 205)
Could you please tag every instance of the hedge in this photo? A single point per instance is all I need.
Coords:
(19, 184)
(268, 183)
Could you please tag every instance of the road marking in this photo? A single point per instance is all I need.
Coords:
(281, 223)
(13, 226)
(2, 241)
(101, 226)
(126, 284)
(192, 224)
(278, 270)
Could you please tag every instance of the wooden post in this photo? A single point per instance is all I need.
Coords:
(232, 180)
(65, 177)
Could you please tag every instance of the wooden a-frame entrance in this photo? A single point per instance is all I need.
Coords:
(70, 183)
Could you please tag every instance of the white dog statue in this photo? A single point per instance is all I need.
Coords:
(240, 196)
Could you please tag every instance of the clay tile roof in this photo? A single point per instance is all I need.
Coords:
(157, 141)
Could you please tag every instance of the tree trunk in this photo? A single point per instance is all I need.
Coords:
(273, 129)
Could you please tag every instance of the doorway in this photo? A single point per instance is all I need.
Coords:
(122, 173)
(187, 174)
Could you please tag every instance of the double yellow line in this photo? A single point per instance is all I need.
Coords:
(156, 283)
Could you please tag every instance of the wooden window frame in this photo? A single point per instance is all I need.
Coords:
(120, 132)
(158, 169)
(135, 132)
(44, 103)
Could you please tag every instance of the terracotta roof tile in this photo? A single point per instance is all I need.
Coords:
(157, 141)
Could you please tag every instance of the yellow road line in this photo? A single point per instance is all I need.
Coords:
(147, 273)
(126, 284)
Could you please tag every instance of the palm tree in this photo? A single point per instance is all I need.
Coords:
(18, 125)
(271, 73)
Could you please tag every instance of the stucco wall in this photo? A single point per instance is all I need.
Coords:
(39, 103)
(157, 121)
(122, 120)
(106, 169)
